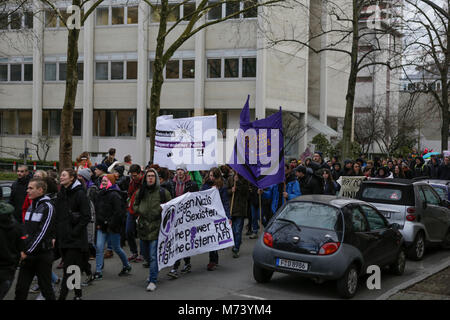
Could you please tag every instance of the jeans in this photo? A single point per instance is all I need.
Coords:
(145, 250)
(255, 218)
(4, 287)
(152, 246)
(237, 226)
(114, 238)
(130, 231)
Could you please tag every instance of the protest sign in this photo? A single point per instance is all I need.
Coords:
(188, 141)
(191, 224)
(446, 153)
(350, 186)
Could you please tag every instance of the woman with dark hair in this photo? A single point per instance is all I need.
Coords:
(73, 216)
(398, 172)
(215, 180)
(383, 173)
(330, 187)
(357, 169)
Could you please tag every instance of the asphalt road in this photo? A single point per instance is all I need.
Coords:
(232, 280)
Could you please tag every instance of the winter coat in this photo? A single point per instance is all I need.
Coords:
(275, 193)
(169, 185)
(11, 244)
(240, 201)
(72, 216)
(310, 184)
(223, 196)
(434, 169)
(39, 226)
(330, 188)
(149, 210)
(18, 194)
(444, 172)
(421, 170)
(110, 210)
(187, 185)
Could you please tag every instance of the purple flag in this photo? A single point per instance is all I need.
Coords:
(258, 153)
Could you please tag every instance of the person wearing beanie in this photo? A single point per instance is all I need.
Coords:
(100, 170)
(110, 213)
(11, 245)
(85, 174)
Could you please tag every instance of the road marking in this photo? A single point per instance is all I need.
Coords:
(250, 297)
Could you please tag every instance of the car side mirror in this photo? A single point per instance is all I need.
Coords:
(394, 226)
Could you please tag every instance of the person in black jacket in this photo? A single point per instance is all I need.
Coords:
(110, 212)
(420, 169)
(444, 169)
(19, 191)
(11, 245)
(308, 181)
(434, 167)
(73, 216)
(39, 229)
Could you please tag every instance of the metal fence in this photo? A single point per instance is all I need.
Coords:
(11, 167)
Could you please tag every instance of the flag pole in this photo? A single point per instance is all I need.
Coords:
(260, 213)
(232, 200)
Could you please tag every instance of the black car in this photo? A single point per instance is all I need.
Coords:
(328, 238)
(5, 190)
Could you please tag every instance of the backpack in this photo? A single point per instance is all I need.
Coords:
(92, 193)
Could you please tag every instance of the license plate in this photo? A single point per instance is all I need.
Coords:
(292, 264)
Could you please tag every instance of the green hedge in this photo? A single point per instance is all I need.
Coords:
(20, 161)
(8, 176)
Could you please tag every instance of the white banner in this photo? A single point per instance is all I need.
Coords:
(191, 224)
(350, 186)
(189, 141)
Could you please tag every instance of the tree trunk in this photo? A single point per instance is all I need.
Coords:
(351, 89)
(65, 141)
(158, 79)
(445, 115)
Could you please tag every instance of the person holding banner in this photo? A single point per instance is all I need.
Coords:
(147, 205)
(238, 213)
(215, 180)
(184, 184)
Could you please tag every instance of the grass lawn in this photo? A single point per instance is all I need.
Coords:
(5, 175)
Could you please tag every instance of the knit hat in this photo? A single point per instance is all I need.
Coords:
(301, 169)
(85, 173)
(102, 167)
(6, 208)
(181, 167)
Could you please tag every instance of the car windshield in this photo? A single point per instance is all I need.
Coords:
(441, 191)
(313, 215)
(376, 193)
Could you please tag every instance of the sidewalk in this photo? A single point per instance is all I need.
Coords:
(434, 285)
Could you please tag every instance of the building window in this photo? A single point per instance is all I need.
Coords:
(50, 18)
(16, 20)
(251, 13)
(105, 123)
(126, 123)
(154, 16)
(102, 16)
(214, 68)
(215, 12)
(3, 21)
(248, 67)
(29, 20)
(132, 15)
(188, 9)
(28, 72)
(50, 72)
(62, 71)
(117, 15)
(117, 70)
(16, 72)
(151, 67)
(24, 122)
(8, 123)
(101, 71)
(222, 117)
(232, 7)
(188, 69)
(77, 122)
(173, 69)
(131, 70)
(231, 68)
(80, 70)
(51, 122)
(174, 14)
(3, 72)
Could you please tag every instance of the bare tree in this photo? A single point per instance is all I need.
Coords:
(428, 32)
(42, 145)
(164, 50)
(353, 25)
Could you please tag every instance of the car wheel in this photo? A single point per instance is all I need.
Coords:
(446, 242)
(261, 275)
(398, 267)
(417, 249)
(347, 285)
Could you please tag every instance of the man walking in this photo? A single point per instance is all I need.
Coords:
(39, 231)
(19, 191)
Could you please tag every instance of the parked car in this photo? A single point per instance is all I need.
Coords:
(328, 238)
(442, 187)
(414, 205)
(5, 190)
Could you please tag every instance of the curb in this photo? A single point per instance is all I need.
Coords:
(415, 280)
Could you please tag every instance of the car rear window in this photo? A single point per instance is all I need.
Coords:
(313, 215)
(390, 194)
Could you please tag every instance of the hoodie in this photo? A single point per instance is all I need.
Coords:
(11, 243)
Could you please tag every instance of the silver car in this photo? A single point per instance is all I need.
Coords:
(423, 216)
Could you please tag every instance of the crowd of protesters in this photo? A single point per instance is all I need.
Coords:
(91, 212)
